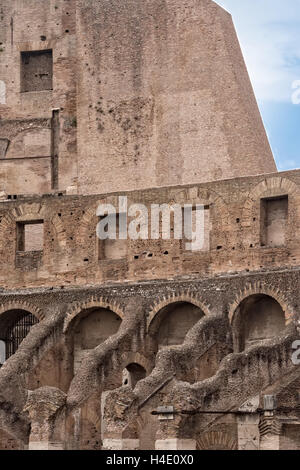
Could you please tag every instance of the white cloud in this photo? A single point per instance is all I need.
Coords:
(269, 33)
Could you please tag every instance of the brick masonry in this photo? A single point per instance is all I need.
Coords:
(150, 100)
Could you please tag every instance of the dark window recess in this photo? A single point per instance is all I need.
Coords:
(113, 249)
(274, 219)
(36, 71)
(17, 332)
(30, 236)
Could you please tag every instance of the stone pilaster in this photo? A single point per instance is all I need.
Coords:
(120, 444)
(248, 425)
(270, 430)
(175, 444)
(44, 406)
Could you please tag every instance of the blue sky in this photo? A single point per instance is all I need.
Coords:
(269, 34)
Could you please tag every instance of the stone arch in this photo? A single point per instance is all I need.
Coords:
(133, 373)
(96, 322)
(85, 225)
(89, 216)
(60, 231)
(19, 142)
(24, 212)
(138, 358)
(100, 302)
(197, 195)
(216, 440)
(261, 288)
(269, 187)
(16, 321)
(22, 305)
(172, 321)
(172, 299)
(88, 223)
(272, 186)
(204, 196)
(4, 145)
(259, 317)
(29, 212)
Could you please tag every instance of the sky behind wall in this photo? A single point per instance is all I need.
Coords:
(269, 34)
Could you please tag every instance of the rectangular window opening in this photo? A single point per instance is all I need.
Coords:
(30, 236)
(206, 229)
(36, 71)
(274, 218)
(112, 249)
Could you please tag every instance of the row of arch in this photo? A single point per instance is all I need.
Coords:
(259, 313)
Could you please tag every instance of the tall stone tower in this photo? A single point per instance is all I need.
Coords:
(163, 96)
(124, 94)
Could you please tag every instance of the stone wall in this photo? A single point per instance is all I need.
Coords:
(164, 98)
(51, 352)
(73, 255)
(154, 94)
(127, 342)
(36, 43)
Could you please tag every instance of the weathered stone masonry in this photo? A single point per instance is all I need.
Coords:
(124, 344)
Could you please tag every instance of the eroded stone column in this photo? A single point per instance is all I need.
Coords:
(169, 435)
(270, 430)
(118, 430)
(248, 425)
(45, 407)
(269, 426)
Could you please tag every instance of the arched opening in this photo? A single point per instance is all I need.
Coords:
(14, 327)
(132, 374)
(92, 327)
(258, 317)
(30, 143)
(217, 440)
(173, 322)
